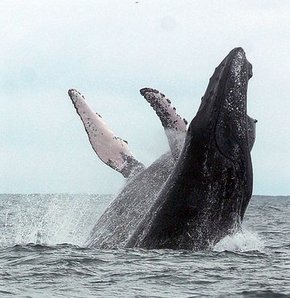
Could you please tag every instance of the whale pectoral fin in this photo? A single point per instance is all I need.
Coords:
(112, 150)
(175, 127)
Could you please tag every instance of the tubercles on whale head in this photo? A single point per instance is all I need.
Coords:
(231, 75)
(223, 109)
(232, 123)
(223, 126)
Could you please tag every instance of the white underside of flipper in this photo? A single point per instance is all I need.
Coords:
(175, 127)
(111, 149)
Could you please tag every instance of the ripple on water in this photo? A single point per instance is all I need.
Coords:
(253, 263)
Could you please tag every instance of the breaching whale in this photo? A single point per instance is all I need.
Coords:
(207, 193)
(119, 221)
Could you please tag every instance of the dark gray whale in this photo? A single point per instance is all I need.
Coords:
(118, 222)
(207, 193)
(116, 226)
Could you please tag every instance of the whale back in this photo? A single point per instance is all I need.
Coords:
(128, 209)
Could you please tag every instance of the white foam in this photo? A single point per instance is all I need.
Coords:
(242, 241)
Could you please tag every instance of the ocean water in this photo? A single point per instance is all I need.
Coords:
(42, 254)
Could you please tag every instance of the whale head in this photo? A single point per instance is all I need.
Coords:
(207, 193)
(215, 168)
(222, 135)
(224, 105)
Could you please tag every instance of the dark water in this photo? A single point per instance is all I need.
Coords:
(41, 254)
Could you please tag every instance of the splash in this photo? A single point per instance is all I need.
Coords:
(50, 219)
(242, 241)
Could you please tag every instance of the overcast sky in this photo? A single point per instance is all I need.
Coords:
(108, 50)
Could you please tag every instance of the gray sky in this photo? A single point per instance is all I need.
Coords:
(108, 50)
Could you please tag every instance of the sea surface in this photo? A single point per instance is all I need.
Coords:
(42, 254)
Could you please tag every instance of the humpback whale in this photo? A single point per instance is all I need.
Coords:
(207, 193)
(202, 184)
(118, 222)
